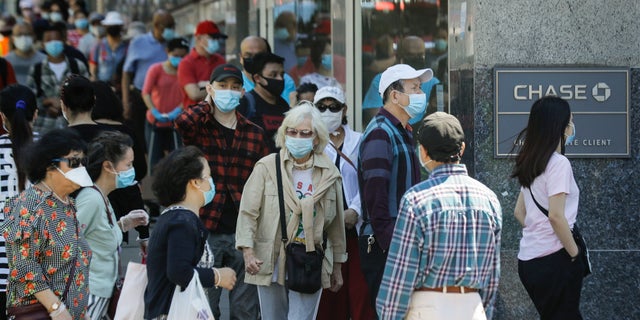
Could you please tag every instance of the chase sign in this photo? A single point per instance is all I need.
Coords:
(599, 100)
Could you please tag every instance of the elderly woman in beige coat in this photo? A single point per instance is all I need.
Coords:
(313, 209)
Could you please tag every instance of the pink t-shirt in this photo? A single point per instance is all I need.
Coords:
(538, 237)
(164, 89)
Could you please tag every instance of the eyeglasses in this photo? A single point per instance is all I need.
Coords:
(336, 107)
(72, 162)
(292, 132)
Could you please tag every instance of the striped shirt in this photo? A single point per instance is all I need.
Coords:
(447, 234)
(8, 188)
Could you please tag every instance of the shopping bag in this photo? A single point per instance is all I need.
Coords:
(191, 303)
(131, 302)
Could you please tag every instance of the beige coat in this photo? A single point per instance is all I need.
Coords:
(259, 217)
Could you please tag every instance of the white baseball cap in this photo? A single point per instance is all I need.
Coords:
(329, 92)
(402, 72)
(113, 18)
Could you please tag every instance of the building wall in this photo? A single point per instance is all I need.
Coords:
(555, 33)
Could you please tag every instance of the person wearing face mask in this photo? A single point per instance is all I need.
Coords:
(264, 104)
(285, 35)
(195, 69)
(446, 224)
(352, 300)
(313, 209)
(47, 273)
(144, 50)
(81, 24)
(96, 33)
(163, 96)
(410, 52)
(110, 52)
(45, 79)
(322, 60)
(178, 247)
(249, 47)
(110, 166)
(387, 165)
(232, 145)
(24, 55)
(549, 263)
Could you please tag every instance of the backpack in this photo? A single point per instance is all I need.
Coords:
(37, 74)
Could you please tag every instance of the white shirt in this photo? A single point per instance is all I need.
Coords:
(58, 68)
(350, 147)
(538, 237)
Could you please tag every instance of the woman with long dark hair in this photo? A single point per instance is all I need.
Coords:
(547, 260)
(17, 109)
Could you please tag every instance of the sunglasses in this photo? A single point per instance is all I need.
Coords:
(292, 132)
(72, 162)
(336, 107)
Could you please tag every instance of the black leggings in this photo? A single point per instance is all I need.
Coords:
(554, 283)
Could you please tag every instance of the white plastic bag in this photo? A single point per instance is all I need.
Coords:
(191, 303)
(131, 303)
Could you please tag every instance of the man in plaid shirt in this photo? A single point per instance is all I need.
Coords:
(444, 258)
(232, 145)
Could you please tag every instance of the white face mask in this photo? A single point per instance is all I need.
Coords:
(23, 43)
(333, 120)
(424, 164)
(78, 176)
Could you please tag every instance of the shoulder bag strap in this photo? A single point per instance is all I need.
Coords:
(545, 211)
(283, 224)
(106, 204)
(344, 156)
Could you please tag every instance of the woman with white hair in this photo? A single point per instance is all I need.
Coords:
(311, 190)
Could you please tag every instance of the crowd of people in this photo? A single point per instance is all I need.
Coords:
(245, 167)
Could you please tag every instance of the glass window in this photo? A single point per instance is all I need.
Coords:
(413, 32)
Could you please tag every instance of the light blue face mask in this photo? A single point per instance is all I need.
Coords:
(55, 16)
(81, 24)
(417, 105)
(301, 60)
(572, 137)
(326, 61)
(126, 178)
(298, 147)
(175, 61)
(213, 45)
(54, 47)
(441, 44)
(227, 100)
(208, 195)
(281, 34)
(168, 34)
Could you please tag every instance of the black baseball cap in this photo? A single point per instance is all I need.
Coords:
(441, 134)
(224, 71)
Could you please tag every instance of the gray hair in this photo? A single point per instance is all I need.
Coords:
(301, 111)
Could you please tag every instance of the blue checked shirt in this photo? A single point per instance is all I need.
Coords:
(447, 234)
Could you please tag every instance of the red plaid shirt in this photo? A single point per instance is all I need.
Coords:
(230, 166)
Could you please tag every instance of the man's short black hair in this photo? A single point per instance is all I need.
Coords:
(261, 59)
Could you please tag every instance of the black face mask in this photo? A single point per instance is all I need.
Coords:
(274, 86)
(114, 31)
(416, 63)
(247, 64)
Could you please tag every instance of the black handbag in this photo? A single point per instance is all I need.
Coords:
(583, 255)
(303, 269)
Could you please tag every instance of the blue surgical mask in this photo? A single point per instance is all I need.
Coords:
(168, 34)
(126, 178)
(327, 61)
(212, 46)
(208, 195)
(175, 61)
(81, 24)
(301, 60)
(55, 16)
(298, 147)
(227, 100)
(281, 34)
(441, 45)
(54, 47)
(417, 105)
(572, 136)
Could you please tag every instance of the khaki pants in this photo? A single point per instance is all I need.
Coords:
(427, 305)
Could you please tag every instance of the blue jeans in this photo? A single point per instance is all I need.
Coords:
(243, 299)
(278, 303)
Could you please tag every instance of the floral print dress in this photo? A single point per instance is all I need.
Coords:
(43, 239)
